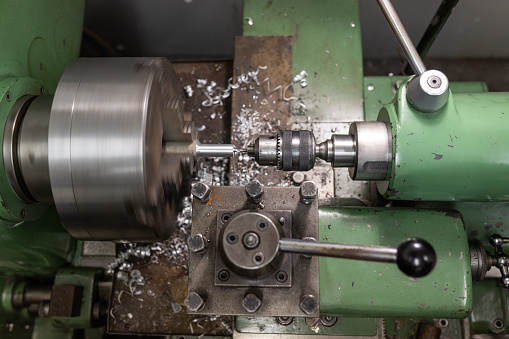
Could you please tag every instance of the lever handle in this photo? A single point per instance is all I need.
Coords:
(414, 257)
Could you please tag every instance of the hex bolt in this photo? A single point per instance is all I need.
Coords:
(308, 192)
(309, 304)
(251, 240)
(254, 191)
(197, 244)
(194, 302)
(251, 303)
(201, 192)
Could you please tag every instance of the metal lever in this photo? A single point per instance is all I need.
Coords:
(414, 257)
(500, 259)
(412, 56)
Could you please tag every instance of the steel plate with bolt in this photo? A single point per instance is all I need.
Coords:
(292, 279)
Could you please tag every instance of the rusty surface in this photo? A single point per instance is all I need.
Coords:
(214, 121)
(156, 306)
(263, 106)
(65, 301)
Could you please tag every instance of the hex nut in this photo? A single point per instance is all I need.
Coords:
(201, 192)
(308, 192)
(197, 244)
(254, 191)
(251, 303)
(309, 304)
(194, 302)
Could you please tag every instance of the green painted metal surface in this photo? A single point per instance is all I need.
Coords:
(37, 41)
(450, 155)
(35, 248)
(344, 326)
(360, 288)
(491, 304)
(327, 46)
(86, 278)
(380, 90)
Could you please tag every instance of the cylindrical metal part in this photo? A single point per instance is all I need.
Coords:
(344, 150)
(404, 40)
(373, 150)
(265, 150)
(36, 294)
(109, 176)
(479, 260)
(334, 250)
(215, 150)
(33, 149)
(296, 150)
(429, 91)
(251, 261)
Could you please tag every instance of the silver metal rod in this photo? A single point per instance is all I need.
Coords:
(406, 44)
(215, 150)
(334, 250)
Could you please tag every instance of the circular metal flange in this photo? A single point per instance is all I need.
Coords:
(244, 258)
(373, 143)
(109, 177)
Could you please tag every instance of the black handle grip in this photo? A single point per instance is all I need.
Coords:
(415, 257)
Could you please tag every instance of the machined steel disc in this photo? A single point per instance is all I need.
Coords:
(109, 177)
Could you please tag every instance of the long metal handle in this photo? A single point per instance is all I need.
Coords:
(406, 44)
(334, 250)
(414, 257)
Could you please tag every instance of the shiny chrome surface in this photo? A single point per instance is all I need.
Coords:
(429, 91)
(109, 176)
(373, 142)
(413, 57)
(215, 150)
(323, 249)
(33, 149)
(10, 147)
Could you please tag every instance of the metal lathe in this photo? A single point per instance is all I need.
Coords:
(281, 195)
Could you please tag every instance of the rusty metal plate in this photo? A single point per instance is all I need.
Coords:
(275, 301)
(155, 304)
(262, 105)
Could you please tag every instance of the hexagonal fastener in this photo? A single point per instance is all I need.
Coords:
(309, 304)
(194, 302)
(254, 191)
(308, 192)
(201, 192)
(251, 303)
(197, 244)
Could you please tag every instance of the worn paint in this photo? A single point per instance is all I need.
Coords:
(380, 289)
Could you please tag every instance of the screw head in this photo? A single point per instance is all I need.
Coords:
(201, 192)
(254, 191)
(298, 178)
(308, 192)
(328, 321)
(251, 240)
(194, 302)
(309, 304)
(434, 81)
(285, 321)
(251, 303)
(197, 244)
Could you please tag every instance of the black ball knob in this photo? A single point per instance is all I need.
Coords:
(415, 257)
